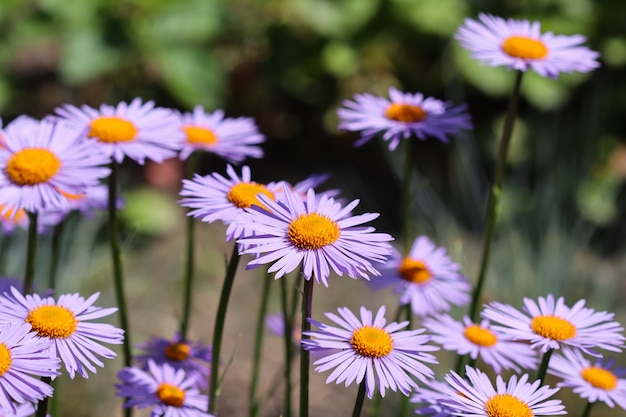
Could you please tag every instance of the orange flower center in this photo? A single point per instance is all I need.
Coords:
(414, 271)
(198, 135)
(524, 47)
(32, 166)
(112, 129)
(371, 342)
(506, 405)
(599, 378)
(312, 231)
(553, 327)
(177, 351)
(480, 336)
(405, 113)
(5, 359)
(244, 194)
(56, 322)
(170, 395)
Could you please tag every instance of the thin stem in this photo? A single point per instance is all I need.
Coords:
(543, 367)
(258, 346)
(587, 410)
(360, 397)
(116, 258)
(31, 253)
(495, 194)
(307, 301)
(218, 331)
(407, 213)
(288, 341)
(188, 277)
(5, 244)
(55, 253)
(42, 406)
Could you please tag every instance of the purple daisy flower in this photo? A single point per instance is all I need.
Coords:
(169, 391)
(479, 340)
(215, 197)
(520, 45)
(42, 161)
(232, 139)
(426, 278)
(318, 233)
(135, 130)
(368, 348)
(550, 324)
(193, 358)
(477, 397)
(23, 358)
(66, 324)
(593, 382)
(10, 219)
(401, 116)
(432, 395)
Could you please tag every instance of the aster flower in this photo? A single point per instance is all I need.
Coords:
(214, 197)
(479, 340)
(23, 358)
(193, 358)
(318, 233)
(599, 381)
(232, 139)
(550, 324)
(520, 45)
(65, 323)
(10, 219)
(169, 391)
(477, 396)
(135, 130)
(367, 348)
(426, 278)
(401, 116)
(42, 161)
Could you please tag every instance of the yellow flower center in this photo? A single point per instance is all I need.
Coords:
(170, 395)
(524, 47)
(52, 321)
(371, 342)
(11, 215)
(506, 405)
(553, 327)
(244, 194)
(32, 166)
(415, 271)
(177, 351)
(405, 113)
(599, 378)
(5, 359)
(312, 231)
(197, 135)
(112, 129)
(480, 336)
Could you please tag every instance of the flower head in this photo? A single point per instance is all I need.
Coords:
(135, 130)
(318, 233)
(367, 348)
(550, 324)
(520, 45)
(23, 358)
(65, 323)
(426, 278)
(477, 396)
(480, 340)
(214, 197)
(42, 162)
(598, 381)
(169, 391)
(193, 358)
(232, 139)
(401, 116)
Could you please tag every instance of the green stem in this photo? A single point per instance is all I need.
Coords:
(307, 301)
(5, 244)
(188, 277)
(360, 398)
(407, 214)
(42, 406)
(543, 368)
(495, 194)
(258, 346)
(587, 410)
(31, 253)
(55, 253)
(218, 331)
(289, 347)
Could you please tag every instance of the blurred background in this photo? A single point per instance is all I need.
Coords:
(289, 64)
